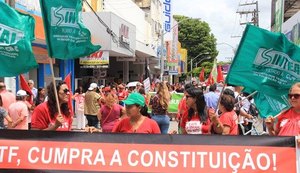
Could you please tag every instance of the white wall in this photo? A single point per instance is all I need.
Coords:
(100, 35)
(129, 11)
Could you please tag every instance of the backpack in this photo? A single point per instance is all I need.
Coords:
(253, 110)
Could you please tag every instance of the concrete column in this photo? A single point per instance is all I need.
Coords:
(126, 71)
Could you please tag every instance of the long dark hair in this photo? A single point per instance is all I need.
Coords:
(37, 99)
(1, 103)
(52, 101)
(200, 104)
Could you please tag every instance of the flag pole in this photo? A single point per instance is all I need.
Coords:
(219, 100)
(245, 98)
(54, 86)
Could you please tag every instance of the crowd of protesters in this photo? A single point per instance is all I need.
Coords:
(121, 109)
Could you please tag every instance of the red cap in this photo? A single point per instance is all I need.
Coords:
(106, 89)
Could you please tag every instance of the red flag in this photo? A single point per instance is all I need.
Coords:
(210, 80)
(201, 75)
(68, 83)
(220, 77)
(25, 87)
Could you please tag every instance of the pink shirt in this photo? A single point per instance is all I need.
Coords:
(79, 103)
(110, 116)
(18, 110)
(7, 98)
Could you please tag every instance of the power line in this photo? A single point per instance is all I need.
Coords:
(110, 31)
(254, 13)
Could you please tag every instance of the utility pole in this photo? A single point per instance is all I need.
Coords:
(162, 62)
(254, 13)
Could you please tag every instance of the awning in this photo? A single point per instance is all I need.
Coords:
(143, 50)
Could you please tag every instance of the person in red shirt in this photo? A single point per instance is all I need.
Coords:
(182, 107)
(122, 94)
(288, 123)
(195, 120)
(136, 122)
(45, 116)
(110, 113)
(227, 123)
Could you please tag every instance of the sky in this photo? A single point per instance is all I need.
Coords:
(223, 20)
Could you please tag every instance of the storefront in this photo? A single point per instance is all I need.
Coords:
(117, 38)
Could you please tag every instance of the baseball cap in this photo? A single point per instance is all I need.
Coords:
(21, 93)
(135, 98)
(92, 86)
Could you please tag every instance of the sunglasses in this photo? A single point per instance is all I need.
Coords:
(295, 96)
(187, 96)
(66, 91)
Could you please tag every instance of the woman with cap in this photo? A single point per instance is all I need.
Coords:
(136, 122)
(45, 116)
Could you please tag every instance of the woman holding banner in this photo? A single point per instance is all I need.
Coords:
(288, 121)
(227, 123)
(45, 116)
(195, 120)
(110, 113)
(137, 121)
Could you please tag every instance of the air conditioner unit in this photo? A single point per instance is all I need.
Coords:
(147, 15)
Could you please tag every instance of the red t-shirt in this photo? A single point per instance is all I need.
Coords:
(122, 95)
(181, 107)
(194, 126)
(147, 126)
(230, 119)
(288, 123)
(41, 119)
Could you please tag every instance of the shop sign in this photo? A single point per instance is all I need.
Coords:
(97, 58)
(167, 15)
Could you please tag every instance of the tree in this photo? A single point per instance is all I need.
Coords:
(195, 36)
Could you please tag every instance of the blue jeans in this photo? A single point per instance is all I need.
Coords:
(163, 122)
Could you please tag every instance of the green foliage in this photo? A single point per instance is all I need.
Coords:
(195, 35)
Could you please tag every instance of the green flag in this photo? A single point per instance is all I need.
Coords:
(16, 34)
(67, 37)
(268, 63)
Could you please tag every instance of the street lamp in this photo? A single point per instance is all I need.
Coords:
(233, 49)
(205, 58)
(205, 53)
(162, 45)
